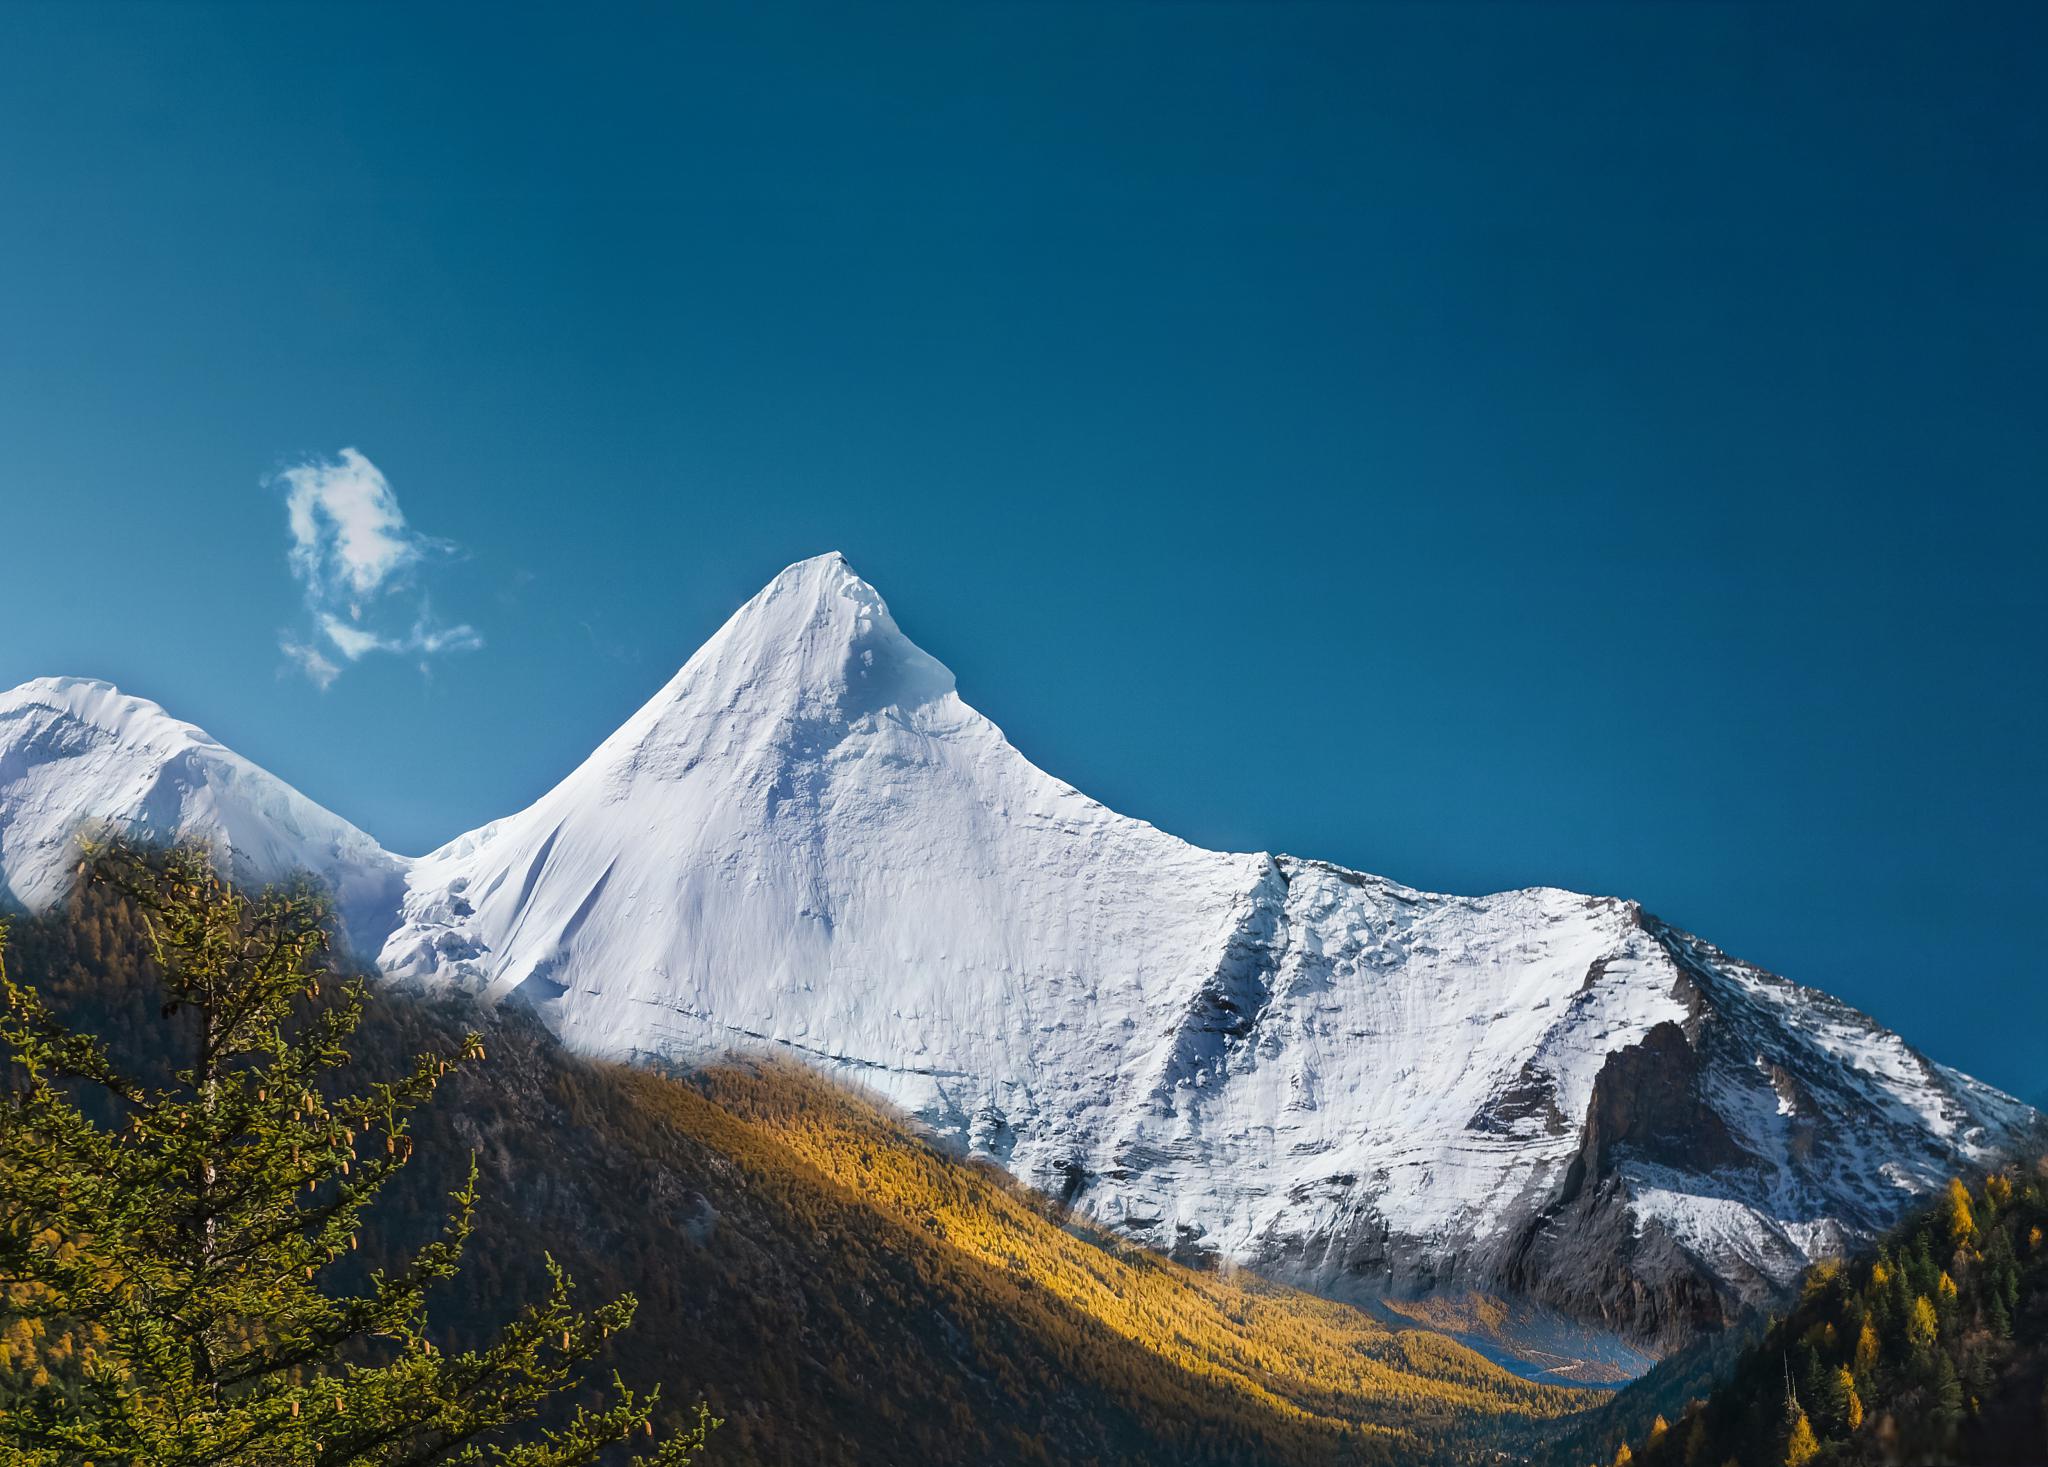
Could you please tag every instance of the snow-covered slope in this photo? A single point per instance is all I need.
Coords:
(807, 841)
(76, 754)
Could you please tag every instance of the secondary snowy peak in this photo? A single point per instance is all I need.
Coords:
(76, 754)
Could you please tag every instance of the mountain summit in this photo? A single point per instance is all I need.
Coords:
(807, 842)
(816, 644)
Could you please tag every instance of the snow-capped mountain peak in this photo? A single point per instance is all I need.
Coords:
(816, 649)
(807, 842)
(808, 780)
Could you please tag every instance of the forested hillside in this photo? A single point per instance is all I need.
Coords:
(839, 1289)
(1932, 1350)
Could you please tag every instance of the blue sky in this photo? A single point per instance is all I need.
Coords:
(1490, 445)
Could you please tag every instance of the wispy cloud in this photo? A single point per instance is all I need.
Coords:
(310, 660)
(361, 567)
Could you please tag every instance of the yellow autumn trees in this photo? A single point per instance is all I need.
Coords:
(1801, 1446)
(1325, 1365)
(1851, 1404)
(1923, 1326)
(1957, 1217)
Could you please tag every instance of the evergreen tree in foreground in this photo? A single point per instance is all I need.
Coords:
(184, 1228)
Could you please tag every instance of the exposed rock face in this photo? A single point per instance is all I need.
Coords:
(808, 842)
(1585, 1254)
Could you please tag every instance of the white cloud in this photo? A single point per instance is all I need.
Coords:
(360, 565)
(347, 530)
(445, 639)
(352, 641)
(310, 661)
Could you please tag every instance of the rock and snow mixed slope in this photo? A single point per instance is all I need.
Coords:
(808, 841)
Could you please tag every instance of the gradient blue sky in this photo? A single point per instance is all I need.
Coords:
(1490, 445)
